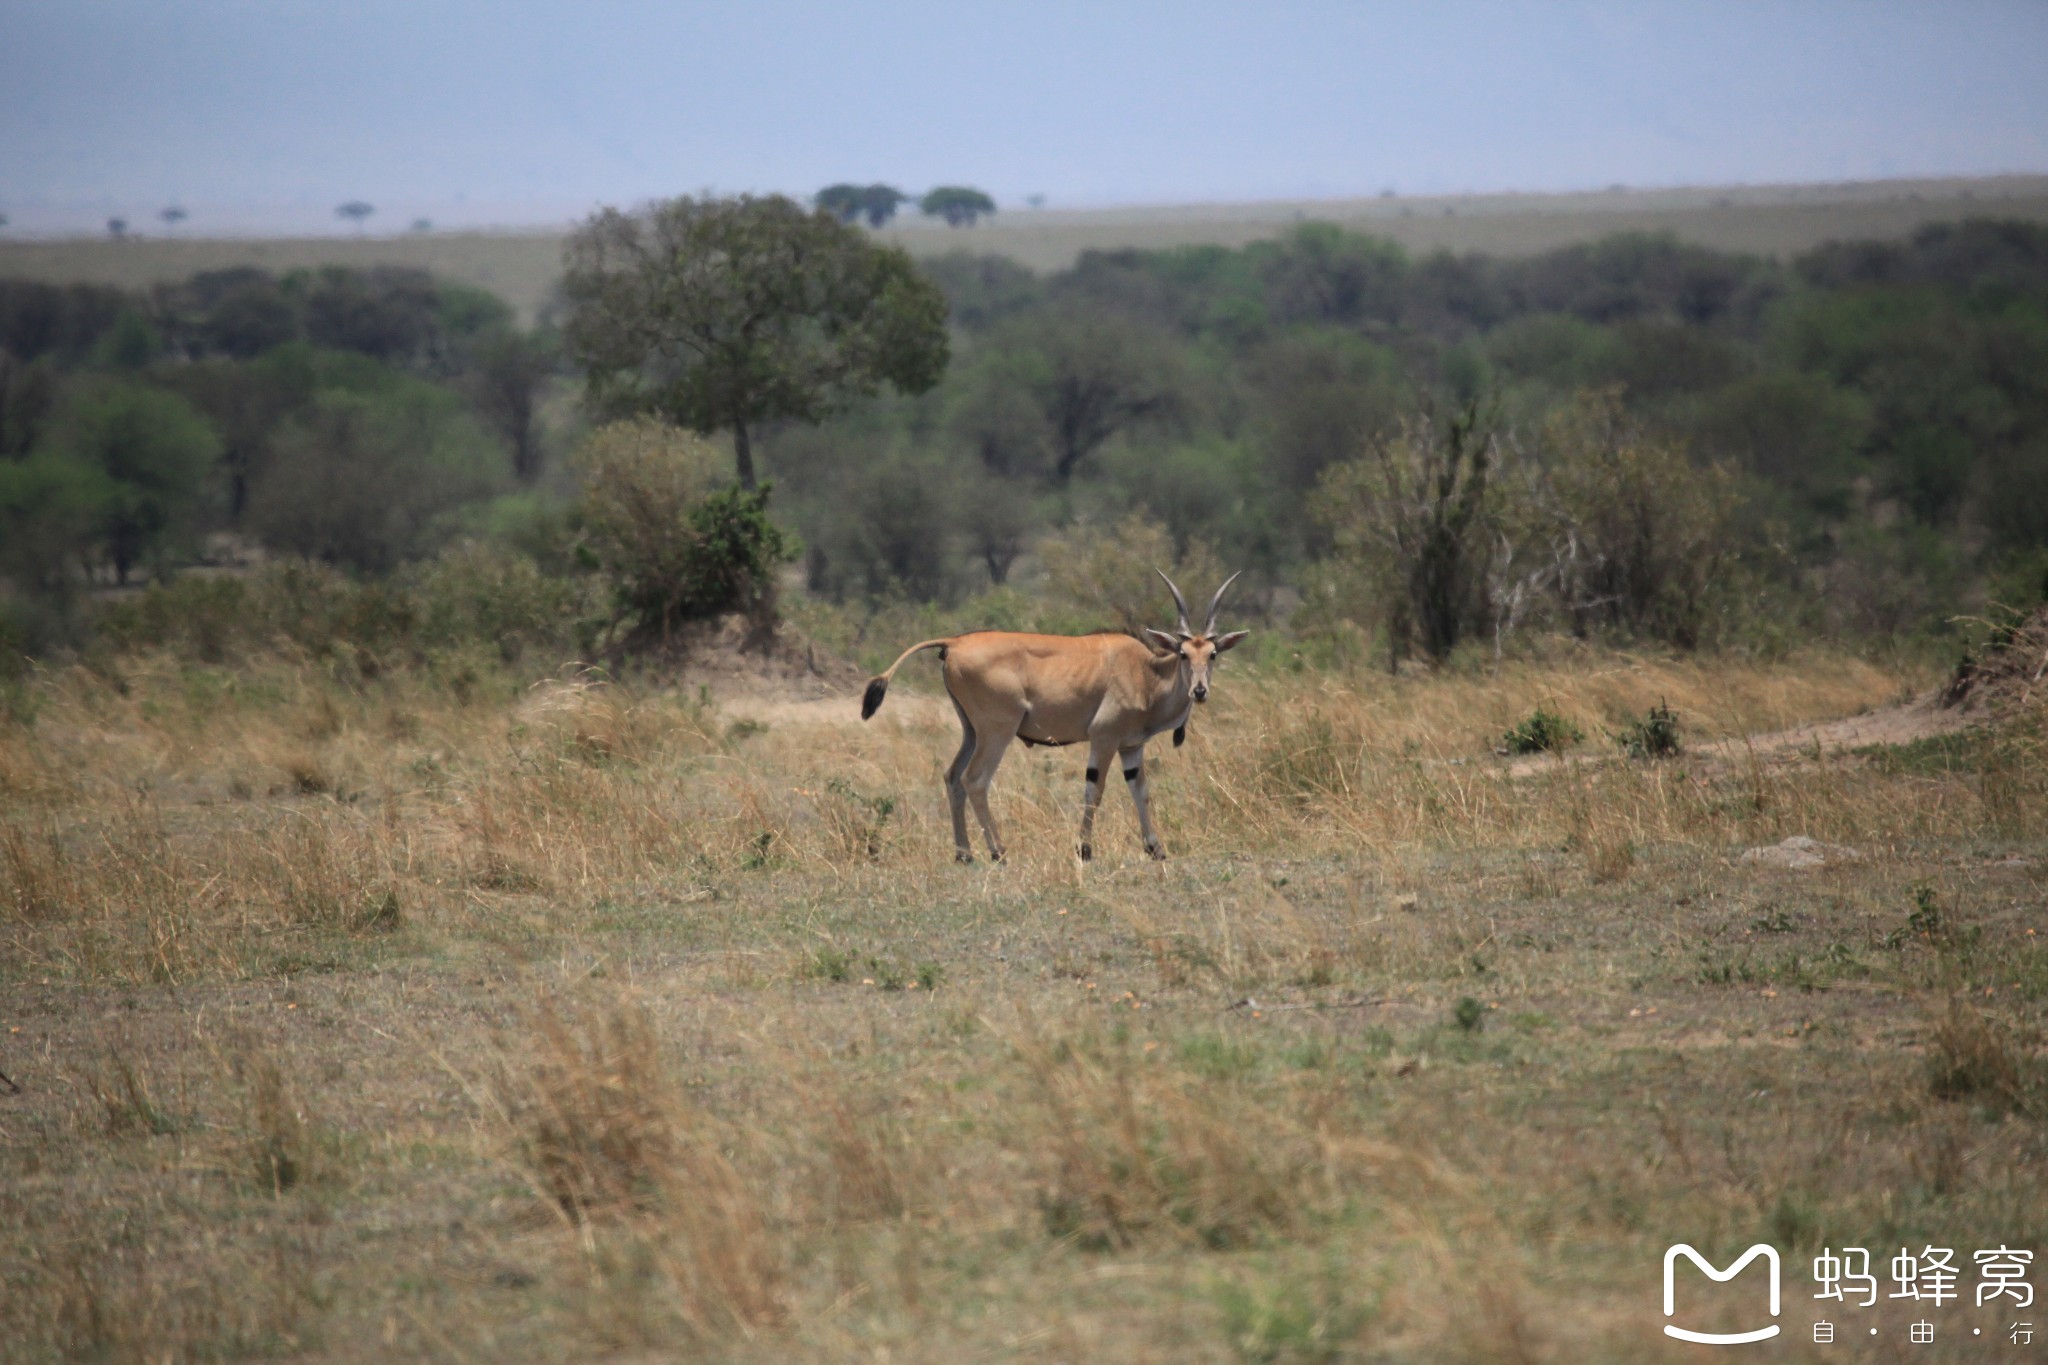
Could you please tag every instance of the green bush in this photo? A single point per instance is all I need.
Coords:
(1542, 732)
(674, 546)
(1654, 736)
(471, 594)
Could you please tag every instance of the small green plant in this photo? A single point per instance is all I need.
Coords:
(1286, 1322)
(1469, 1015)
(830, 964)
(929, 974)
(1543, 732)
(860, 821)
(1931, 924)
(1654, 736)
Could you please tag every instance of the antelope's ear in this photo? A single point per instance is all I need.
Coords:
(1224, 642)
(1169, 643)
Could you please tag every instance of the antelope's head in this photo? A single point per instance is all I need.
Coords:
(1197, 649)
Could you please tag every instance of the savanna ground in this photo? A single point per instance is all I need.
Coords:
(435, 1012)
(523, 267)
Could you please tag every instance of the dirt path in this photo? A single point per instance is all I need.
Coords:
(1899, 724)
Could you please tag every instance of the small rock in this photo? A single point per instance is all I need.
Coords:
(1799, 851)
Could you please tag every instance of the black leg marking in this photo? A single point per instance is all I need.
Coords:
(1180, 735)
(1087, 852)
(1133, 774)
(1094, 776)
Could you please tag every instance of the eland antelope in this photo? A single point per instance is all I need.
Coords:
(1110, 689)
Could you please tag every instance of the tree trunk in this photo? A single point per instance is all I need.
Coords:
(745, 454)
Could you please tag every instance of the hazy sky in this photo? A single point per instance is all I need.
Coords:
(264, 114)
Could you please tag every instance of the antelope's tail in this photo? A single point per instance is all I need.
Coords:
(878, 686)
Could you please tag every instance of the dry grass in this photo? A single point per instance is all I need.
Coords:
(571, 1013)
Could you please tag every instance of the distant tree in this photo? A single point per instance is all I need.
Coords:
(1036, 201)
(959, 205)
(173, 216)
(725, 313)
(245, 404)
(131, 343)
(505, 375)
(366, 478)
(28, 394)
(982, 290)
(1049, 390)
(997, 519)
(848, 202)
(117, 228)
(880, 202)
(1320, 273)
(355, 210)
(422, 225)
(392, 313)
(842, 201)
(250, 317)
(147, 451)
(3, 220)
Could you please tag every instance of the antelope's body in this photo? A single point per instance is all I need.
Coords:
(1109, 690)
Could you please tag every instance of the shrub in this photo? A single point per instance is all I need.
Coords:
(1642, 537)
(368, 479)
(1103, 575)
(675, 546)
(1654, 736)
(1543, 732)
(1418, 521)
(480, 592)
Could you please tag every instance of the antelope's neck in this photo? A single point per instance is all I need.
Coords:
(1172, 702)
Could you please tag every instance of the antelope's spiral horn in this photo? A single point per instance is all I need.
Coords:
(1217, 601)
(1178, 601)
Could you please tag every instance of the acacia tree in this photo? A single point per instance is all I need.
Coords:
(848, 202)
(842, 201)
(726, 313)
(959, 205)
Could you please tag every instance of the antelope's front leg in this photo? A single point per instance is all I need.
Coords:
(1134, 778)
(1091, 794)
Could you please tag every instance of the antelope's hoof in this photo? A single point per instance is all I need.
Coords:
(1087, 852)
(1156, 852)
(961, 855)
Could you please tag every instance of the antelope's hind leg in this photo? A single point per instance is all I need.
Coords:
(956, 787)
(990, 746)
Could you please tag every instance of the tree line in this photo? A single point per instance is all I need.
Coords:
(1634, 437)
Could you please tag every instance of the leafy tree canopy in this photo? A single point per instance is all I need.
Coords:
(848, 202)
(725, 313)
(148, 453)
(959, 205)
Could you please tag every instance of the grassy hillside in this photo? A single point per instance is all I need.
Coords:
(1770, 220)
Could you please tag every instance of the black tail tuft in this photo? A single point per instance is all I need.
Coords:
(871, 701)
